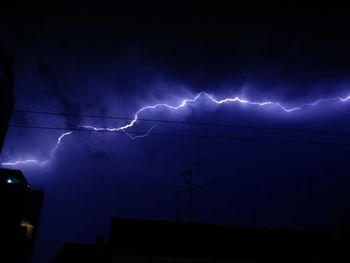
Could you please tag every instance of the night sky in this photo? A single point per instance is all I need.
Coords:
(271, 168)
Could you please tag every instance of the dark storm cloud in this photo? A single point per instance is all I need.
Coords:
(58, 87)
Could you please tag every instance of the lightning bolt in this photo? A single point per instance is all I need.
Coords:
(183, 104)
(142, 135)
(37, 162)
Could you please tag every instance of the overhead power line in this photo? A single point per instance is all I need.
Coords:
(200, 136)
(225, 125)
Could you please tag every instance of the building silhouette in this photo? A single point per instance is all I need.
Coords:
(20, 209)
(157, 241)
(20, 202)
(7, 99)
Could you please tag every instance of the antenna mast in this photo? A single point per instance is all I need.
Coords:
(188, 174)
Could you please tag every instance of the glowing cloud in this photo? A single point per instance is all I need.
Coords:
(183, 104)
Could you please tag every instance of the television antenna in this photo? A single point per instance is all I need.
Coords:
(188, 180)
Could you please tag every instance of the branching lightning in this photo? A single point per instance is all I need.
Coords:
(38, 162)
(183, 104)
(142, 135)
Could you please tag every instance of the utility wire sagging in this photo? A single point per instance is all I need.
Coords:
(190, 123)
(191, 100)
(235, 138)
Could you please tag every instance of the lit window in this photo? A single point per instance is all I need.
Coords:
(14, 180)
(10, 181)
(28, 226)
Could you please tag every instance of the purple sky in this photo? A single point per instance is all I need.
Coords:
(113, 60)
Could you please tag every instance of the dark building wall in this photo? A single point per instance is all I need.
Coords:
(7, 100)
(20, 209)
